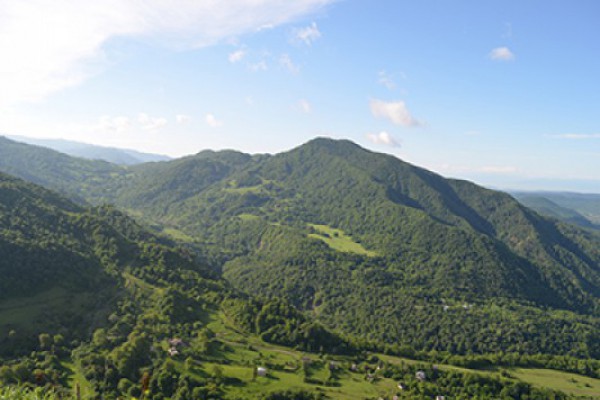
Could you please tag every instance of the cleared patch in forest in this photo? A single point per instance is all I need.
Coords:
(338, 240)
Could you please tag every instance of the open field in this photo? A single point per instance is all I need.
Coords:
(569, 383)
(338, 240)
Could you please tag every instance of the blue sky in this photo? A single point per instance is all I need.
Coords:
(505, 93)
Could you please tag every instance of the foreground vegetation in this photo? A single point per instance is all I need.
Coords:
(220, 361)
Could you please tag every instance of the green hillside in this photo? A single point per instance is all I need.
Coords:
(74, 177)
(442, 264)
(438, 263)
(81, 285)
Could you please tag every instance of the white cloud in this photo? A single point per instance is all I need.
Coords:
(386, 80)
(304, 106)
(502, 54)
(182, 119)
(236, 56)
(578, 136)
(49, 45)
(307, 34)
(119, 124)
(259, 66)
(395, 111)
(212, 121)
(287, 62)
(383, 138)
(149, 123)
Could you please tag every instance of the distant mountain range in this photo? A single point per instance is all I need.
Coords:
(364, 242)
(93, 152)
(578, 208)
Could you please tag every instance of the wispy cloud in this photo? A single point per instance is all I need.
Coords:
(304, 106)
(502, 54)
(383, 138)
(259, 66)
(308, 34)
(212, 121)
(149, 123)
(395, 111)
(386, 80)
(50, 45)
(182, 119)
(287, 62)
(236, 56)
(578, 136)
(120, 124)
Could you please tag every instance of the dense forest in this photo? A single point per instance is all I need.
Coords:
(335, 252)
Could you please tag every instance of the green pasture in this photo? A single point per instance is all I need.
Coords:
(338, 240)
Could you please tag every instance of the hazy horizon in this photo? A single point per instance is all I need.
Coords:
(557, 186)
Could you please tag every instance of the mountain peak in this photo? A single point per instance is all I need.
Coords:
(323, 142)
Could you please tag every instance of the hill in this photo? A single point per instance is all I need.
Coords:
(65, 267)
(87, 284)
(93, 152)
(378, 248)
(74, 177)
(92, 305)
(577, 208)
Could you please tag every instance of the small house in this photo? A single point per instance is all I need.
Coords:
(420, 375)
(261, 371)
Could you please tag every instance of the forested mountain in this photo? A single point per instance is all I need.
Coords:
(93, 152)
(372, 245)
(75, 177)
(90, 290)
(67, 266)
(577, 208)
(94, 306)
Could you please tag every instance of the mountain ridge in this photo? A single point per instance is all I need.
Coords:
(93, 152)
(438, 243)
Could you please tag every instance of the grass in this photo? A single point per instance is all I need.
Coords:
(248, 217)
(338, 240)
(241, 352)
(178, 235)
(133, 282)
(243, 190)
(569, 383)
(20, 311)
(27, 314)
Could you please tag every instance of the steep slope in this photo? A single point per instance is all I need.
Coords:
(64, 267)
